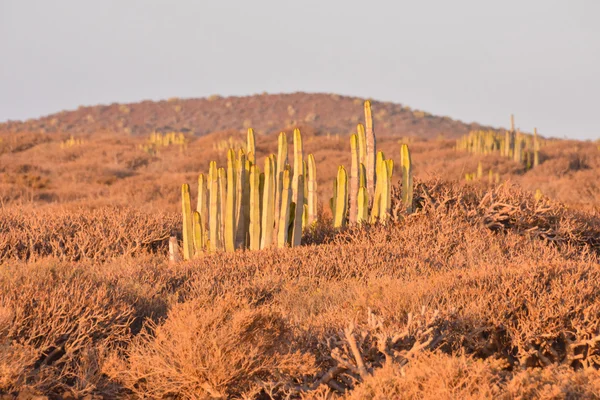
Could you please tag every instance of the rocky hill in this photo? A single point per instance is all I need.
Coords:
(266, 113)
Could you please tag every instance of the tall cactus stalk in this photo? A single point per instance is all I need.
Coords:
(362, 144)
(299, 200)
(371, 149)
(407, 179)
(363, 206)
(298, 164)
(341, 198)
(222, 183)
(284, 215)
(202, 204)
(242, 199)
(199, 239)
(188, 234)
(215, 208)
(268, 203)
(354, 178)
(312, 190)
(380, 176)
(282, 159)
(385, 194)
(251, 146)
(254, 208)
(230, 203)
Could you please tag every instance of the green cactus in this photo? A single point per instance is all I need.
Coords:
(188, 227)
(202, 204)
(254, 208)
(251, 146)
(384, 175)
(371, 149)
(268, 209)
(363, 206)
(230, 203)
(298, 164)
(215, 208)
(407, 178)
(242, 200)
(199, 239)
(282, 159)
(312, 190)
(299, 210)
(354, 178)
(284, 215)
(341, 198)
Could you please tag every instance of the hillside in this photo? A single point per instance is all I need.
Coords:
(266, 113)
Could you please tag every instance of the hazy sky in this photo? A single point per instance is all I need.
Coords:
(474, 60)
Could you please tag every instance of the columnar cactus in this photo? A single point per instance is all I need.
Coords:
(312, 190)
(188, 234)
(268, 203)
(371, 149)
(230, 204)
(341, 198)
(284, 214)
(407, 178)
(251, 146)
(354, 178)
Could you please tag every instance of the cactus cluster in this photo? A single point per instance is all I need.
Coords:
(493, 177)
(158, 140)
(520, 147)
(365, 195)
(240, 207)
(71, 142)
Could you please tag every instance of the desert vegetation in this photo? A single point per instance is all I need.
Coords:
(463, 290)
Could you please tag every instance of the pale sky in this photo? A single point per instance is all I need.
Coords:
(473, 60)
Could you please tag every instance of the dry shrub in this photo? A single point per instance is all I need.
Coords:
(56, 323)
(434, 376)
(82, 234)
(214, 349)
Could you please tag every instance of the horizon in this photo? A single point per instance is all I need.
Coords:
(469, 62)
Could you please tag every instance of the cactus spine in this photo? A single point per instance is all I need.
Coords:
(407, 179)
(188, 234)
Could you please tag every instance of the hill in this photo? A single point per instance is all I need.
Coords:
(266, 113)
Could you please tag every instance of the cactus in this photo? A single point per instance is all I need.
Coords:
(199, 239)
(384, 175)
(230, 204)
(222, 182)
(299, 209)
(282, 159)
(363, 205)
(312, 190)
(242, 199)
(407, 179)
(188, 234)
(215, 209)
(362, 144)
(354, 178)
(284, 215)
(371, 148)
(268, 203)
(298, 164)
(251, 146)
(202, 204)
(254, 208)
(341, 198)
